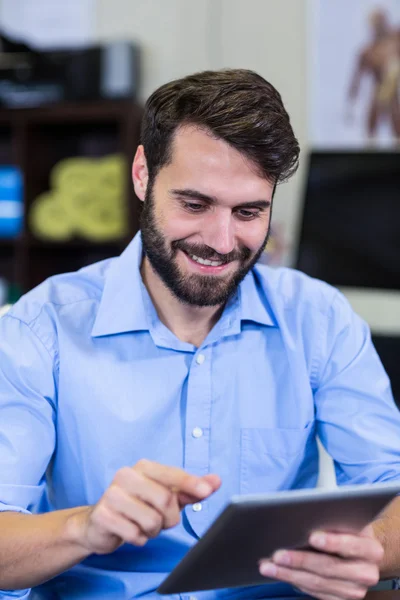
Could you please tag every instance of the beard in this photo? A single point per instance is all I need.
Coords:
(193, 289)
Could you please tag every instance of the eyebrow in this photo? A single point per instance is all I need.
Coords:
(195, 195)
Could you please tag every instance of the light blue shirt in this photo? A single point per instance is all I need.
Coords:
(91, 381)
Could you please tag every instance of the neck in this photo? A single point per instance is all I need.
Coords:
(189, 323)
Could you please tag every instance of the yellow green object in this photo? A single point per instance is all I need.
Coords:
(87, 199)
(48, 218)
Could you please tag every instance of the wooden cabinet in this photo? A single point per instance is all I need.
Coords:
(36, 140)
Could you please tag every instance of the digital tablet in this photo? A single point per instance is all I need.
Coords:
(252, 527)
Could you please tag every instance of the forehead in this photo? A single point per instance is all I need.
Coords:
(211, 166)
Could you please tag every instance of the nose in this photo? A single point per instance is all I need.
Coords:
(219, 232)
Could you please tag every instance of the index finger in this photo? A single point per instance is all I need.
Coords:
(184, 499)
(175, 479)
(347, 545)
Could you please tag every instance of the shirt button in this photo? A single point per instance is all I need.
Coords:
(197, 432)
(200, 359)
(197, 506)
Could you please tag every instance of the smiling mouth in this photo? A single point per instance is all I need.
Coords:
(206, 262)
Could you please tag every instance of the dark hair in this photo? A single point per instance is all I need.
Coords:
(237, 106)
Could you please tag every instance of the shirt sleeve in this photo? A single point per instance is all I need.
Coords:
(27, 409)
(358, 421)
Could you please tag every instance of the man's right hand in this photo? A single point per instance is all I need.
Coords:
(140, 502)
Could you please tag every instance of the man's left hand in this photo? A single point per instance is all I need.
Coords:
(344, 567)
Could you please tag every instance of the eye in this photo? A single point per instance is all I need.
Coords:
(247, 215)
(194, 207)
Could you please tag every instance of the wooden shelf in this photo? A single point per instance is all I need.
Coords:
(75, 244)
(36, 139)
(72, 111)
(8, 242)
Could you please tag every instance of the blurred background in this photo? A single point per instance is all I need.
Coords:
(73, 80)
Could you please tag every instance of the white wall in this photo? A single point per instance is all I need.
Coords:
(172, 34)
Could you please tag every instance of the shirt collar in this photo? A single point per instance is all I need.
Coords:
(254, 304)
(124, 302)
(122, 306)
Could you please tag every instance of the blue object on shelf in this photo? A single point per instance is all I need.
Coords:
(11, 201)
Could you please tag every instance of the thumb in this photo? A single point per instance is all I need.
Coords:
(368, 531)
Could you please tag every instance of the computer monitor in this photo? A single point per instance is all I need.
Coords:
(350, 229)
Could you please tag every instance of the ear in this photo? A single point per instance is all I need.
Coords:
(140, 174)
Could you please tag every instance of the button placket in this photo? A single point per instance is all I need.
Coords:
(198, 413)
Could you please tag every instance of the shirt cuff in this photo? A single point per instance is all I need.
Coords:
(20, 594)
(12, 508)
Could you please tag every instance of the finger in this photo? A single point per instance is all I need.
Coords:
(135, 484)
(213, 480)
(149, 520)
(333, 567)
(348, 545)
(313, 584)
(118, 525)
(173, 477)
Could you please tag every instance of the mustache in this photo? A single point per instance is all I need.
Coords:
(208, 253)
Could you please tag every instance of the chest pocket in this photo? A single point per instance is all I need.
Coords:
(270, 459)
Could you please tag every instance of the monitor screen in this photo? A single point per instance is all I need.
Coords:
(350, 230)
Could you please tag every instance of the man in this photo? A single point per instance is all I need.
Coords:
(142, 392)
(381, 60)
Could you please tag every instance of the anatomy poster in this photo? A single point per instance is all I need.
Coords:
(355, 73)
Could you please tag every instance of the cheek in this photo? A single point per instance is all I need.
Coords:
(177, 227)
(252, 235)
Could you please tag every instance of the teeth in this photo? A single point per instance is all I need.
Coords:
(208, 263)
